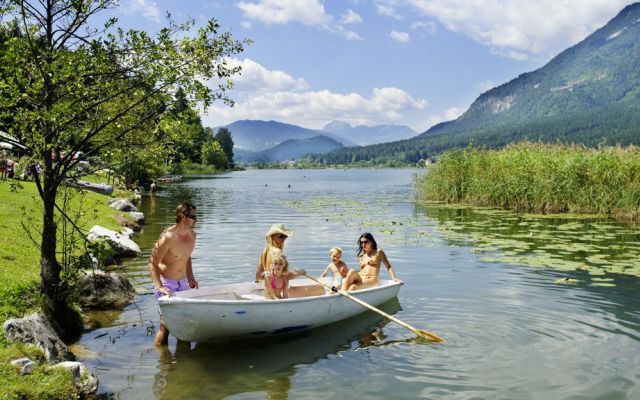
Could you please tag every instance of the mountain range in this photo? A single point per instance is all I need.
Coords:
(268, 141)
(589, 94)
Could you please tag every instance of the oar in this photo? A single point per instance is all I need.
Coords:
(422, 333)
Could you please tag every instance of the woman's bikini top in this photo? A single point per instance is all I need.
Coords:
(274, 283)
(373, 261)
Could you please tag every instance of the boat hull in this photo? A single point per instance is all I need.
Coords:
(226, 312)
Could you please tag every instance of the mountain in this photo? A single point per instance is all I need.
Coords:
(365, 135)
(589, 93)
(291, 149)
(256, 135)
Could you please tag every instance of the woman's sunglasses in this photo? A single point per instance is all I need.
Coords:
(363, 242)
(281, 236)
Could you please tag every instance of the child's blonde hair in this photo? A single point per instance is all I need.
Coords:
(276, 256)
(335, 250)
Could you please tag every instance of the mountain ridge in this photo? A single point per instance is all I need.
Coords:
(589, 93)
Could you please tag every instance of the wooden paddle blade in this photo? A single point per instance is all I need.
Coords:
(429, 336)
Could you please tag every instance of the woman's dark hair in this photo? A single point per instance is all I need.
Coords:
(370, 238)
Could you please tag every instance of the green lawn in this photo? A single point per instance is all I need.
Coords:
(21, 220)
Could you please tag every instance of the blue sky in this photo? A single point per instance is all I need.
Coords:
(369, 62)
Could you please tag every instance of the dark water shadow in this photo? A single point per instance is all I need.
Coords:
(215, 370)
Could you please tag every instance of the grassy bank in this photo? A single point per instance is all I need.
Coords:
(20, 222)
(541, 178)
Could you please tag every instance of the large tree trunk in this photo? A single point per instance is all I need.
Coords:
(64, 318)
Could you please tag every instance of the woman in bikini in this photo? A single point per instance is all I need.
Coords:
(370, 259)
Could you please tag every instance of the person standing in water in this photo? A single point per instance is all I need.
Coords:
(170, 262)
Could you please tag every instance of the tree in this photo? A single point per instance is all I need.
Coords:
(69, 88)
(226, 141)
(213, 154)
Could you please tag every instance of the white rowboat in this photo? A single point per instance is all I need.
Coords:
(236, 310)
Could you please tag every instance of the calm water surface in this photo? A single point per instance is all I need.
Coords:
(563, 326)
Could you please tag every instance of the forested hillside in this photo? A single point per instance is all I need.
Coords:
(589, 93)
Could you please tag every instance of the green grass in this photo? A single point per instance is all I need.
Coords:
(42, 383)
(20, 219)
(20, 224)
(539, 178)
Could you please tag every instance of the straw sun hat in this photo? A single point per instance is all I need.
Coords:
(278, 229)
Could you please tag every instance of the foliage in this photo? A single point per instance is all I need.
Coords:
(19, 254)
(67, 88)
(213, 154)
(226, 141)
(42, 383)
(539, 177)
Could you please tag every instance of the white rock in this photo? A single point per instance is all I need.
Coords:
(26, 366)
(36, 330)
(85, 382)
(137, 216)
(121, 244)
(122, 205)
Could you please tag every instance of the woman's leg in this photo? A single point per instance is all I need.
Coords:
(351, 281)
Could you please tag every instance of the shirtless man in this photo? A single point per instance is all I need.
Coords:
(170, 262)
(370, 260)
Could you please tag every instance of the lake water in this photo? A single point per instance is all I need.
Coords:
(531, 308)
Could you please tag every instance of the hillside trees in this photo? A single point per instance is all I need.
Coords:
(67, 88)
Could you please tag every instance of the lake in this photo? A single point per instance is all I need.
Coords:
(531, 308)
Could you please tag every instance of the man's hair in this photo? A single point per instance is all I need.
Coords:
(183, 210)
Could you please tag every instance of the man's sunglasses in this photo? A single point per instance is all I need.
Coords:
(193, 217)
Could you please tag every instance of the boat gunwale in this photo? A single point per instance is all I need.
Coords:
(166, 300)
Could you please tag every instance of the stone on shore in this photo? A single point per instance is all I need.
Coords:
(122, 205)
(26, 366)
(36, 330)
(121, 244)
(105, 290)
(85, 382)
(137, 216)
(127, 223)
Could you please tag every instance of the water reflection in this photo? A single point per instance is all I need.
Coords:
(594, 247)
(223, 369)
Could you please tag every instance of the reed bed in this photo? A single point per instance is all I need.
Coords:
(540, 178)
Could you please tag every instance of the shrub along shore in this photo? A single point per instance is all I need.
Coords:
(540, 178)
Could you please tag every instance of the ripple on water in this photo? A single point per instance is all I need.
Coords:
(511, 330)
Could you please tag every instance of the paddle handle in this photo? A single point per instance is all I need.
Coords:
(418, 332)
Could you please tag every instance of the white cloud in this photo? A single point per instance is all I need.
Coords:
(400, 37)
(246, 24)
(307, 12)
(486, 85)
(265, 94)
(429, 27)
(521, 28)
(148, 8)
(450, 114)
(351, 35)
(350, 17)
(256, 78)
(453, 113)
(388, 10)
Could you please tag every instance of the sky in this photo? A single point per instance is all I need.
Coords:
(372, 62)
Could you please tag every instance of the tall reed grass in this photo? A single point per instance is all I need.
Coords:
(542, 178)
